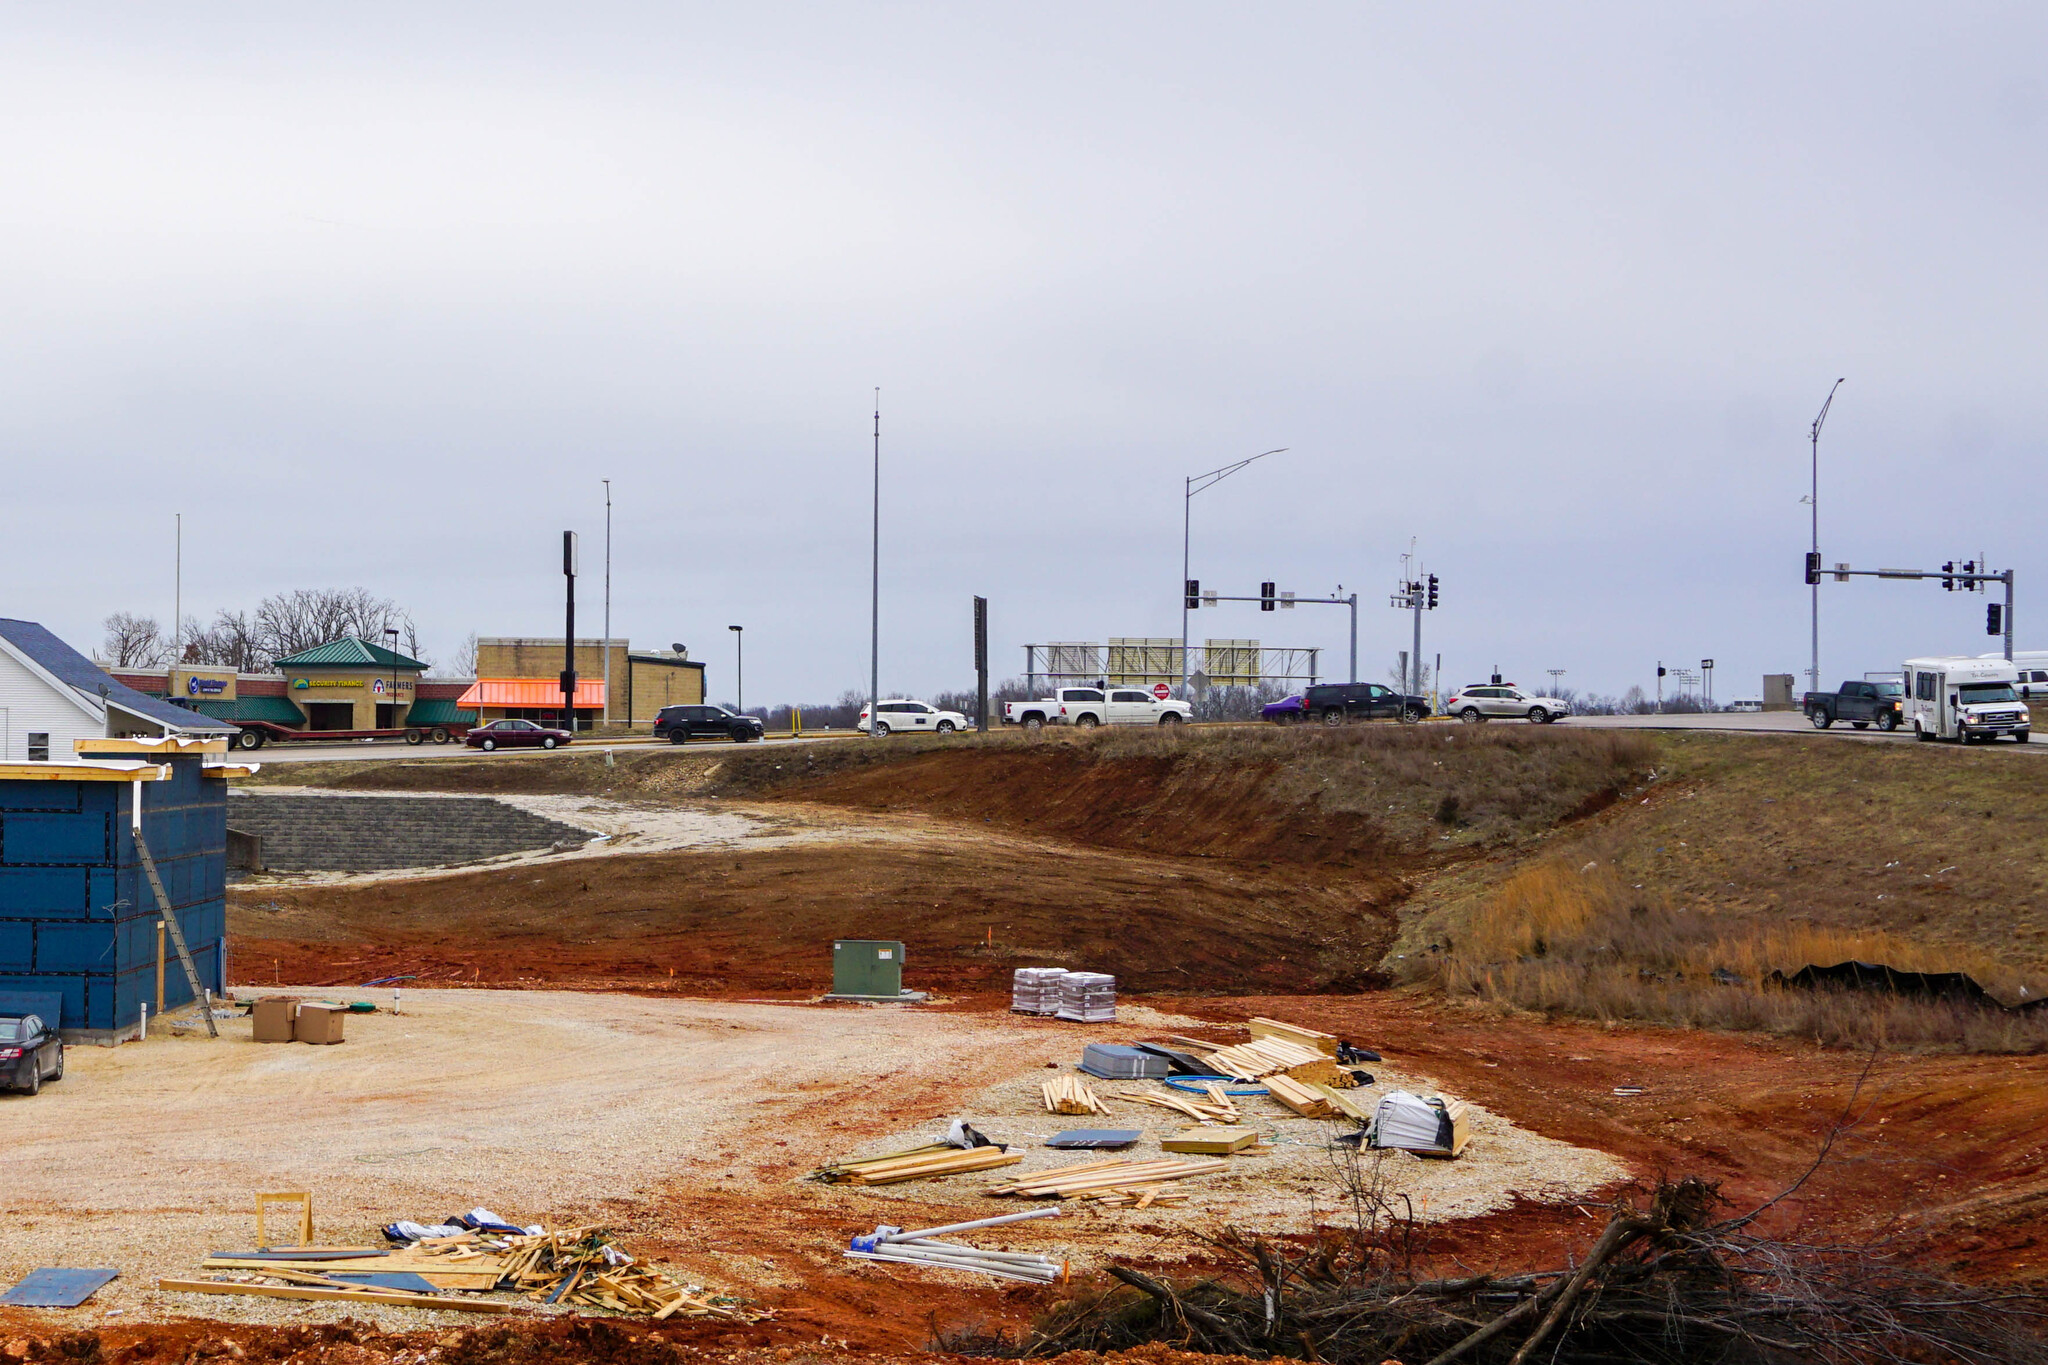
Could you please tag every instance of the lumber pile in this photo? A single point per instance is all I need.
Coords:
(1263, 1057)
(337, 1289)
(1210, 1141)
(1218, 1108)
(919, 1163)
(1134, 1196)
(1113, 1174)
(1309, 1101)
(1325, 1043)
(1068, 1095)
(583, 1266)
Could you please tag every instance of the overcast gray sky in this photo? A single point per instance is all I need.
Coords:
(377, 295)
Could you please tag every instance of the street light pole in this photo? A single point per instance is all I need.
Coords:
(607, 601)
(739, 644)
(1813, 675)
(1189, 487)
(875, 590)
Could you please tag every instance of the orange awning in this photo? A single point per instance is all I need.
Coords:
(543, 693)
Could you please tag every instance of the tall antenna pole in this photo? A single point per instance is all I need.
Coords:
(177, 587)
(1813, 675)
(607, 601)
(875, 590)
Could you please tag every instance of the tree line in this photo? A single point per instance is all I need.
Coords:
(281, 625)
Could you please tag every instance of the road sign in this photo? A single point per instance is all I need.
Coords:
(1161, 691)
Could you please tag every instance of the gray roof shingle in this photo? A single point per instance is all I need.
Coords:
(74, 669)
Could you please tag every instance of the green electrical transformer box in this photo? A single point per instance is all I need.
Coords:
(867, 968)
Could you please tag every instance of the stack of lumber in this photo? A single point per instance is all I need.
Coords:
(1309, 1101)
(1344, 1102)
(924, 1165)
(477, 1272)
(1135, 1196)
(582, 1266)
(1201, 1111)
(1067, 1095)
(1116, 1173)
(1263, 1057)
(1209, 1140)
(1325, 1043)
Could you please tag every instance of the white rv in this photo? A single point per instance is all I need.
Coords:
(1964, 699)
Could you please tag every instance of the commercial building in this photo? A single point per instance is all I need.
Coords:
(520, 677)
(345, 684)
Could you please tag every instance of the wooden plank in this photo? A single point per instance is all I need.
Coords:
(279, 1291)
(1325, 1043)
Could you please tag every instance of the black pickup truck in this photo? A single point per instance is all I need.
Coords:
(1861, 704)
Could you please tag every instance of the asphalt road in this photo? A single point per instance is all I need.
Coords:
(348, 750)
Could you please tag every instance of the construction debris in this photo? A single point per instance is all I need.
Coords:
(1066, 1095)
(1200, 1111)
(1432, 1128)
(582, 1265)
(1115, 1173)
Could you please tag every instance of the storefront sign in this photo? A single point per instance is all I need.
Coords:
(213, 684)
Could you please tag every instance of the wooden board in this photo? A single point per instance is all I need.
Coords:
(1209, 1141)
(1325, 1043)
(280, 1291)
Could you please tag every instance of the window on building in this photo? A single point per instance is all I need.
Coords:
(38, 747)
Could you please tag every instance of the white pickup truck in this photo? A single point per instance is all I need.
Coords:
(1088, 707)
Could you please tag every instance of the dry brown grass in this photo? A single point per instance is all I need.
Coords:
(1583, 941)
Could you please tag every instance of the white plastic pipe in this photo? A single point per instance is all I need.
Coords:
(923, 1233)
(1045, 1276)
(142, 1026)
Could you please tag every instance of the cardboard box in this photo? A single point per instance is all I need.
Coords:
(320, 1023)
(274, 1017)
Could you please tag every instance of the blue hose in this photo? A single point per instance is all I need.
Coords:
(1199, 1085)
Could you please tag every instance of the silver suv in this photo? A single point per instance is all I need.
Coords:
(1487, 700)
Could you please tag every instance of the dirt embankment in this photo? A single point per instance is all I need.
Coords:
(1264, 861)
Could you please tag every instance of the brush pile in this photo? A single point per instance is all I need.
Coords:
(1665, 1282)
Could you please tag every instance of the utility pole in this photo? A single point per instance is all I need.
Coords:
(607, 601)
(1813, 675)
(875, 590)
(177, 589)
(1555, 674)
(569, 634)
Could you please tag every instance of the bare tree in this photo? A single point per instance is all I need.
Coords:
(463, 665)
(134, 641)
(289, 622)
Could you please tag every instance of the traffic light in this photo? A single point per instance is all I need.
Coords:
(1432, 592)
(1948, 584)
(1194, 593)
(1266, 596)
(1812, 568)
(1660, 670)
(1994, 619)
(1969, 567)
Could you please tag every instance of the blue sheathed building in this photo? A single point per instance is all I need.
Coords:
(78, 918)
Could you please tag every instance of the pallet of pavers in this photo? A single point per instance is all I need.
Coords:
(1036, 990)
(1088, 998)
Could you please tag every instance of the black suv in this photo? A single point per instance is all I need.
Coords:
(681, 724)
(1335, 703)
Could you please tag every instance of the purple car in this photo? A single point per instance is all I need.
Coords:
(1286, 711)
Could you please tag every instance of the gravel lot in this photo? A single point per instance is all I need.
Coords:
(685, 1124)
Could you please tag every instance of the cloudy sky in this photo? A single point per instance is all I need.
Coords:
(377, 296)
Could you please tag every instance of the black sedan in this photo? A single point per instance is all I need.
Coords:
(515, 734)
(30, 1053)
(681, 724)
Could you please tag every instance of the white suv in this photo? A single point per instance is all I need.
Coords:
(1487, 700)
(901, 715)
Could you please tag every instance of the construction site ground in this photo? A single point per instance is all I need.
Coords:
(628, 1034)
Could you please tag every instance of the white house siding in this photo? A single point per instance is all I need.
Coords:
(28, 705)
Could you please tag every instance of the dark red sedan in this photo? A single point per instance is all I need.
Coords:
(515, 734)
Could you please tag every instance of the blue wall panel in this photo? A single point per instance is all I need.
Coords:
(17, 946)
(36, 837)
(74, 948)
(46, 892)
(72, 988)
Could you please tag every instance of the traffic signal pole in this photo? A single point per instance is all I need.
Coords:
(1266, 602)
(1969, 579)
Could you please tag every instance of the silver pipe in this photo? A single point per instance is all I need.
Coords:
(922, 1234)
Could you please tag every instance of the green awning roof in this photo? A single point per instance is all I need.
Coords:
(276, 710)
(440, 712)
(347, 652)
